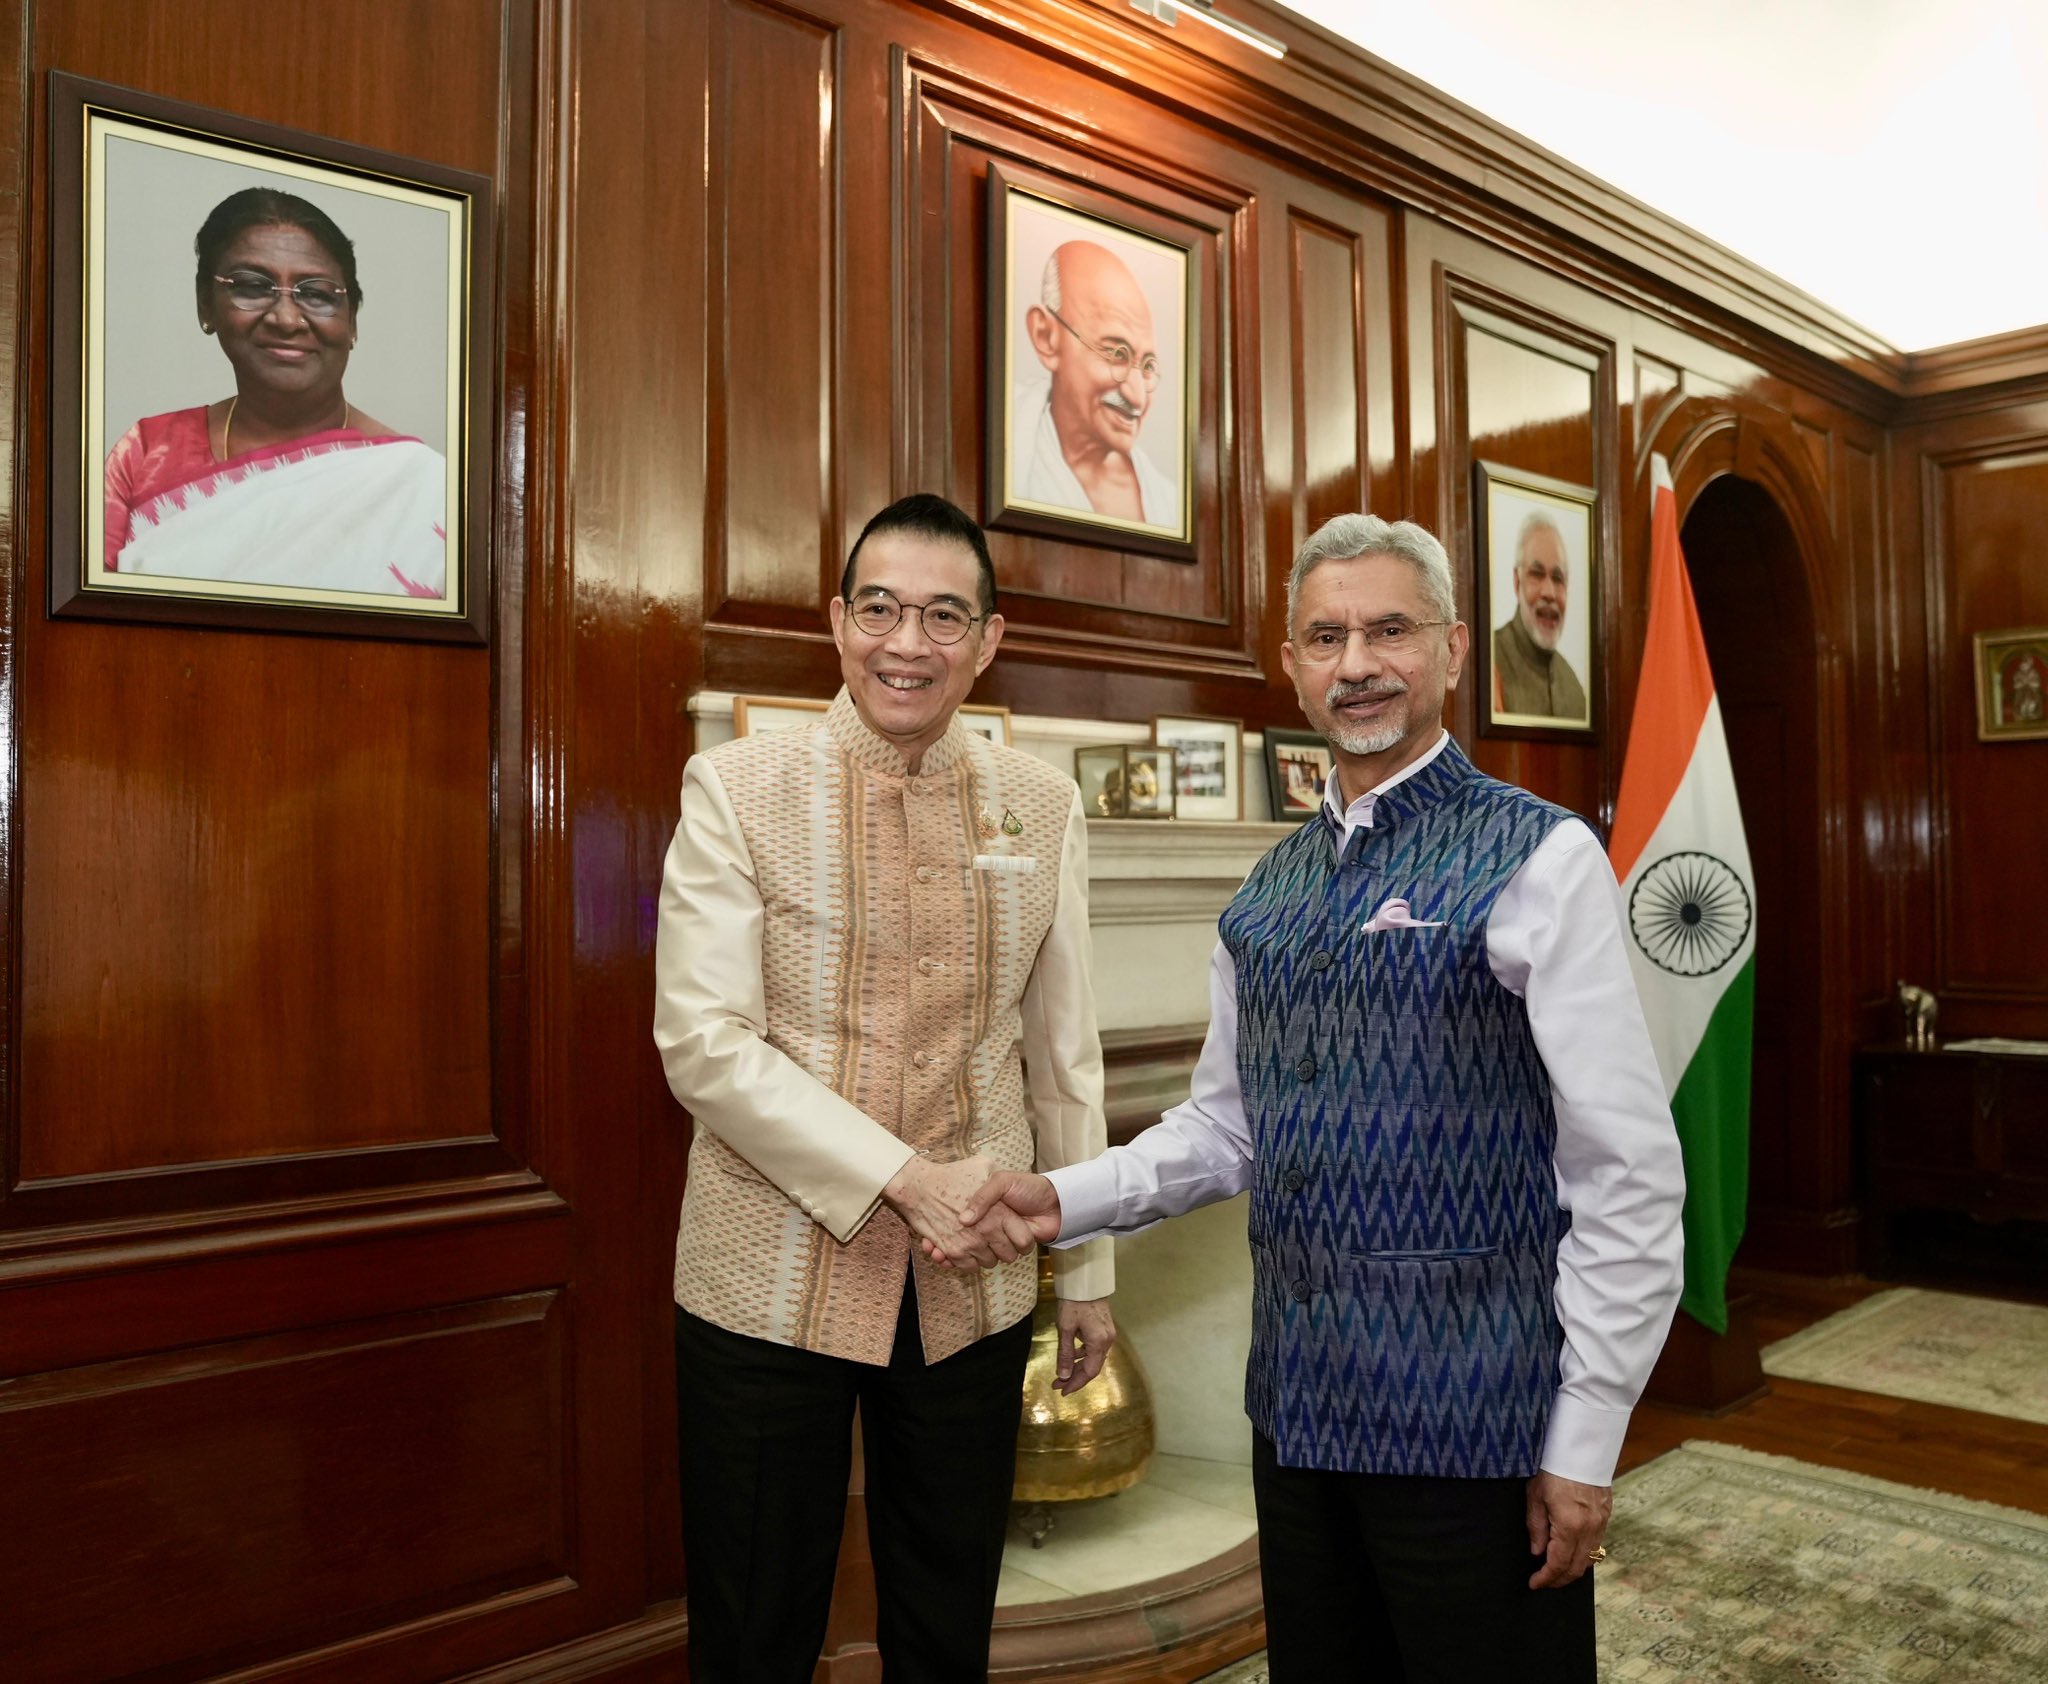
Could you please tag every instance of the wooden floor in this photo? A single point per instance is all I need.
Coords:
(1984, 1456)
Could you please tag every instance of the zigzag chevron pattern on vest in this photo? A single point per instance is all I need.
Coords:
(1404, 1215)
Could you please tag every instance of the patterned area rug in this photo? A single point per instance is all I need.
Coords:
(1935, 1347)
(1731, 1567)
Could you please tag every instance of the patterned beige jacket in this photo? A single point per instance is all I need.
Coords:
(846, 968)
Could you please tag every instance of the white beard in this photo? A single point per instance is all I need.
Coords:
(1376, 741)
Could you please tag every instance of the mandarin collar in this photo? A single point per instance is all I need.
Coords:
(876, 754)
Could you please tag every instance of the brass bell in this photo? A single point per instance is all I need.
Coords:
(1093, 1444)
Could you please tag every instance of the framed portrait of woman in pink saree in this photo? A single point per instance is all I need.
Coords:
(271, 392)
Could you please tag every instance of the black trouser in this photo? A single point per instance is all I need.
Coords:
(766, 1442)
(1388, 1579)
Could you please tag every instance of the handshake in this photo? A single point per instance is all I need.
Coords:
(968, 1215)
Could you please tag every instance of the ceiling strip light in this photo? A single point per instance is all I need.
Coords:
(1168, 11)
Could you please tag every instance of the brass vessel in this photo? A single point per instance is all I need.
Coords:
(1093, 1444)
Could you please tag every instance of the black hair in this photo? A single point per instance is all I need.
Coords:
(269, 207)
(924, 515)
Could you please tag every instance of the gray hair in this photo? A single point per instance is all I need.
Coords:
(1537, 521)
(1049, 283)
(1346, 537)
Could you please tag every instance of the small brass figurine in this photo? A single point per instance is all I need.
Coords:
(1920, 1009)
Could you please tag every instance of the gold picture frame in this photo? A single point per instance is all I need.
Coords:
(2012, 684)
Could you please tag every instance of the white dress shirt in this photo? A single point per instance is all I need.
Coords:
(1555, 939)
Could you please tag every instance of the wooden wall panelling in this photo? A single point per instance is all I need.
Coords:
(1081, 600)
(328, 987)
(776, 310)
(461, 1456)
(1531, 390)
(1984, 490)
(633, 480)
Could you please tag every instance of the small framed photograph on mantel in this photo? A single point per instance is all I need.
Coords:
(1125, 781)
(1208, 764)
(1298, 766)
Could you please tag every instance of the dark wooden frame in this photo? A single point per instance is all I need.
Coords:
(1486, 611)
(1000, 316)
(74, 102)
(1275, 740)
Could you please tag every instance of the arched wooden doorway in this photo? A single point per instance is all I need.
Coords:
(1759, 546)
(1744, 562)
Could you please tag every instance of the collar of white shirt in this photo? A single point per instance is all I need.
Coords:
(1344, 820)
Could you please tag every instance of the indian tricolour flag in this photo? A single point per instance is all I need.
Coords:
(1691, 902)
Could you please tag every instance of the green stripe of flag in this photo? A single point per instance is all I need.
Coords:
(1711, 1108)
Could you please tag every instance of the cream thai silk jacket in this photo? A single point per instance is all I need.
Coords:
(846, 970)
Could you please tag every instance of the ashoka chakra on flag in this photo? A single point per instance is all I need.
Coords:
(1689, 913)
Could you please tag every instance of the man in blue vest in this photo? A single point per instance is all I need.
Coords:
(1427, 1063)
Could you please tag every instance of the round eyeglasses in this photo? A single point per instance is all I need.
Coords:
(253, 292)
(1117, 354)
(878, 615)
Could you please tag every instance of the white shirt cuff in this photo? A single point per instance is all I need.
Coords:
(1584, 1442)
(1088, 1198)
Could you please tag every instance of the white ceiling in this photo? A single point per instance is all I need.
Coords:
(1888, 156)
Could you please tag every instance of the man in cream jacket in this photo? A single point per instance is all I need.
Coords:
(862, 922)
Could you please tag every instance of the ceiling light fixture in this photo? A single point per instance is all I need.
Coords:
(1168, 12)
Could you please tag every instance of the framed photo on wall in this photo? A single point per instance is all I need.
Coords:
(985, 719)
(2012, 685)
(1091, 378)
(1298, 766)
(271, 398)
(751, 715)
(1208, 765)
(1535, 632)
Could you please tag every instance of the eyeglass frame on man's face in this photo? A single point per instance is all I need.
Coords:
(875, 597)
(313, 304)
(1394, 635)
(1119, 357)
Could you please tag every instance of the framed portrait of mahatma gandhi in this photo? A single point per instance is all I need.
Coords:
(1535, 630)
(1091, 418)
(270, 386)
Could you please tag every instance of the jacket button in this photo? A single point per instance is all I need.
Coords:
(921, 1059)
(1301, 1291)
(1294, 1181)
(925, 874)
(1319, 960)
(931, 966)
(1305, 1068)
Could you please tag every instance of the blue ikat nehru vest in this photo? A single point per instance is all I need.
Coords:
(1404, 1214)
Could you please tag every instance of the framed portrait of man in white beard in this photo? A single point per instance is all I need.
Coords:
(1535, 626)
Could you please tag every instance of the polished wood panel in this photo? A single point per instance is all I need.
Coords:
(1994, 927)
(1533, 393)
(348, 1477)
(255, 904)
(1327, 311)
(776, 303)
